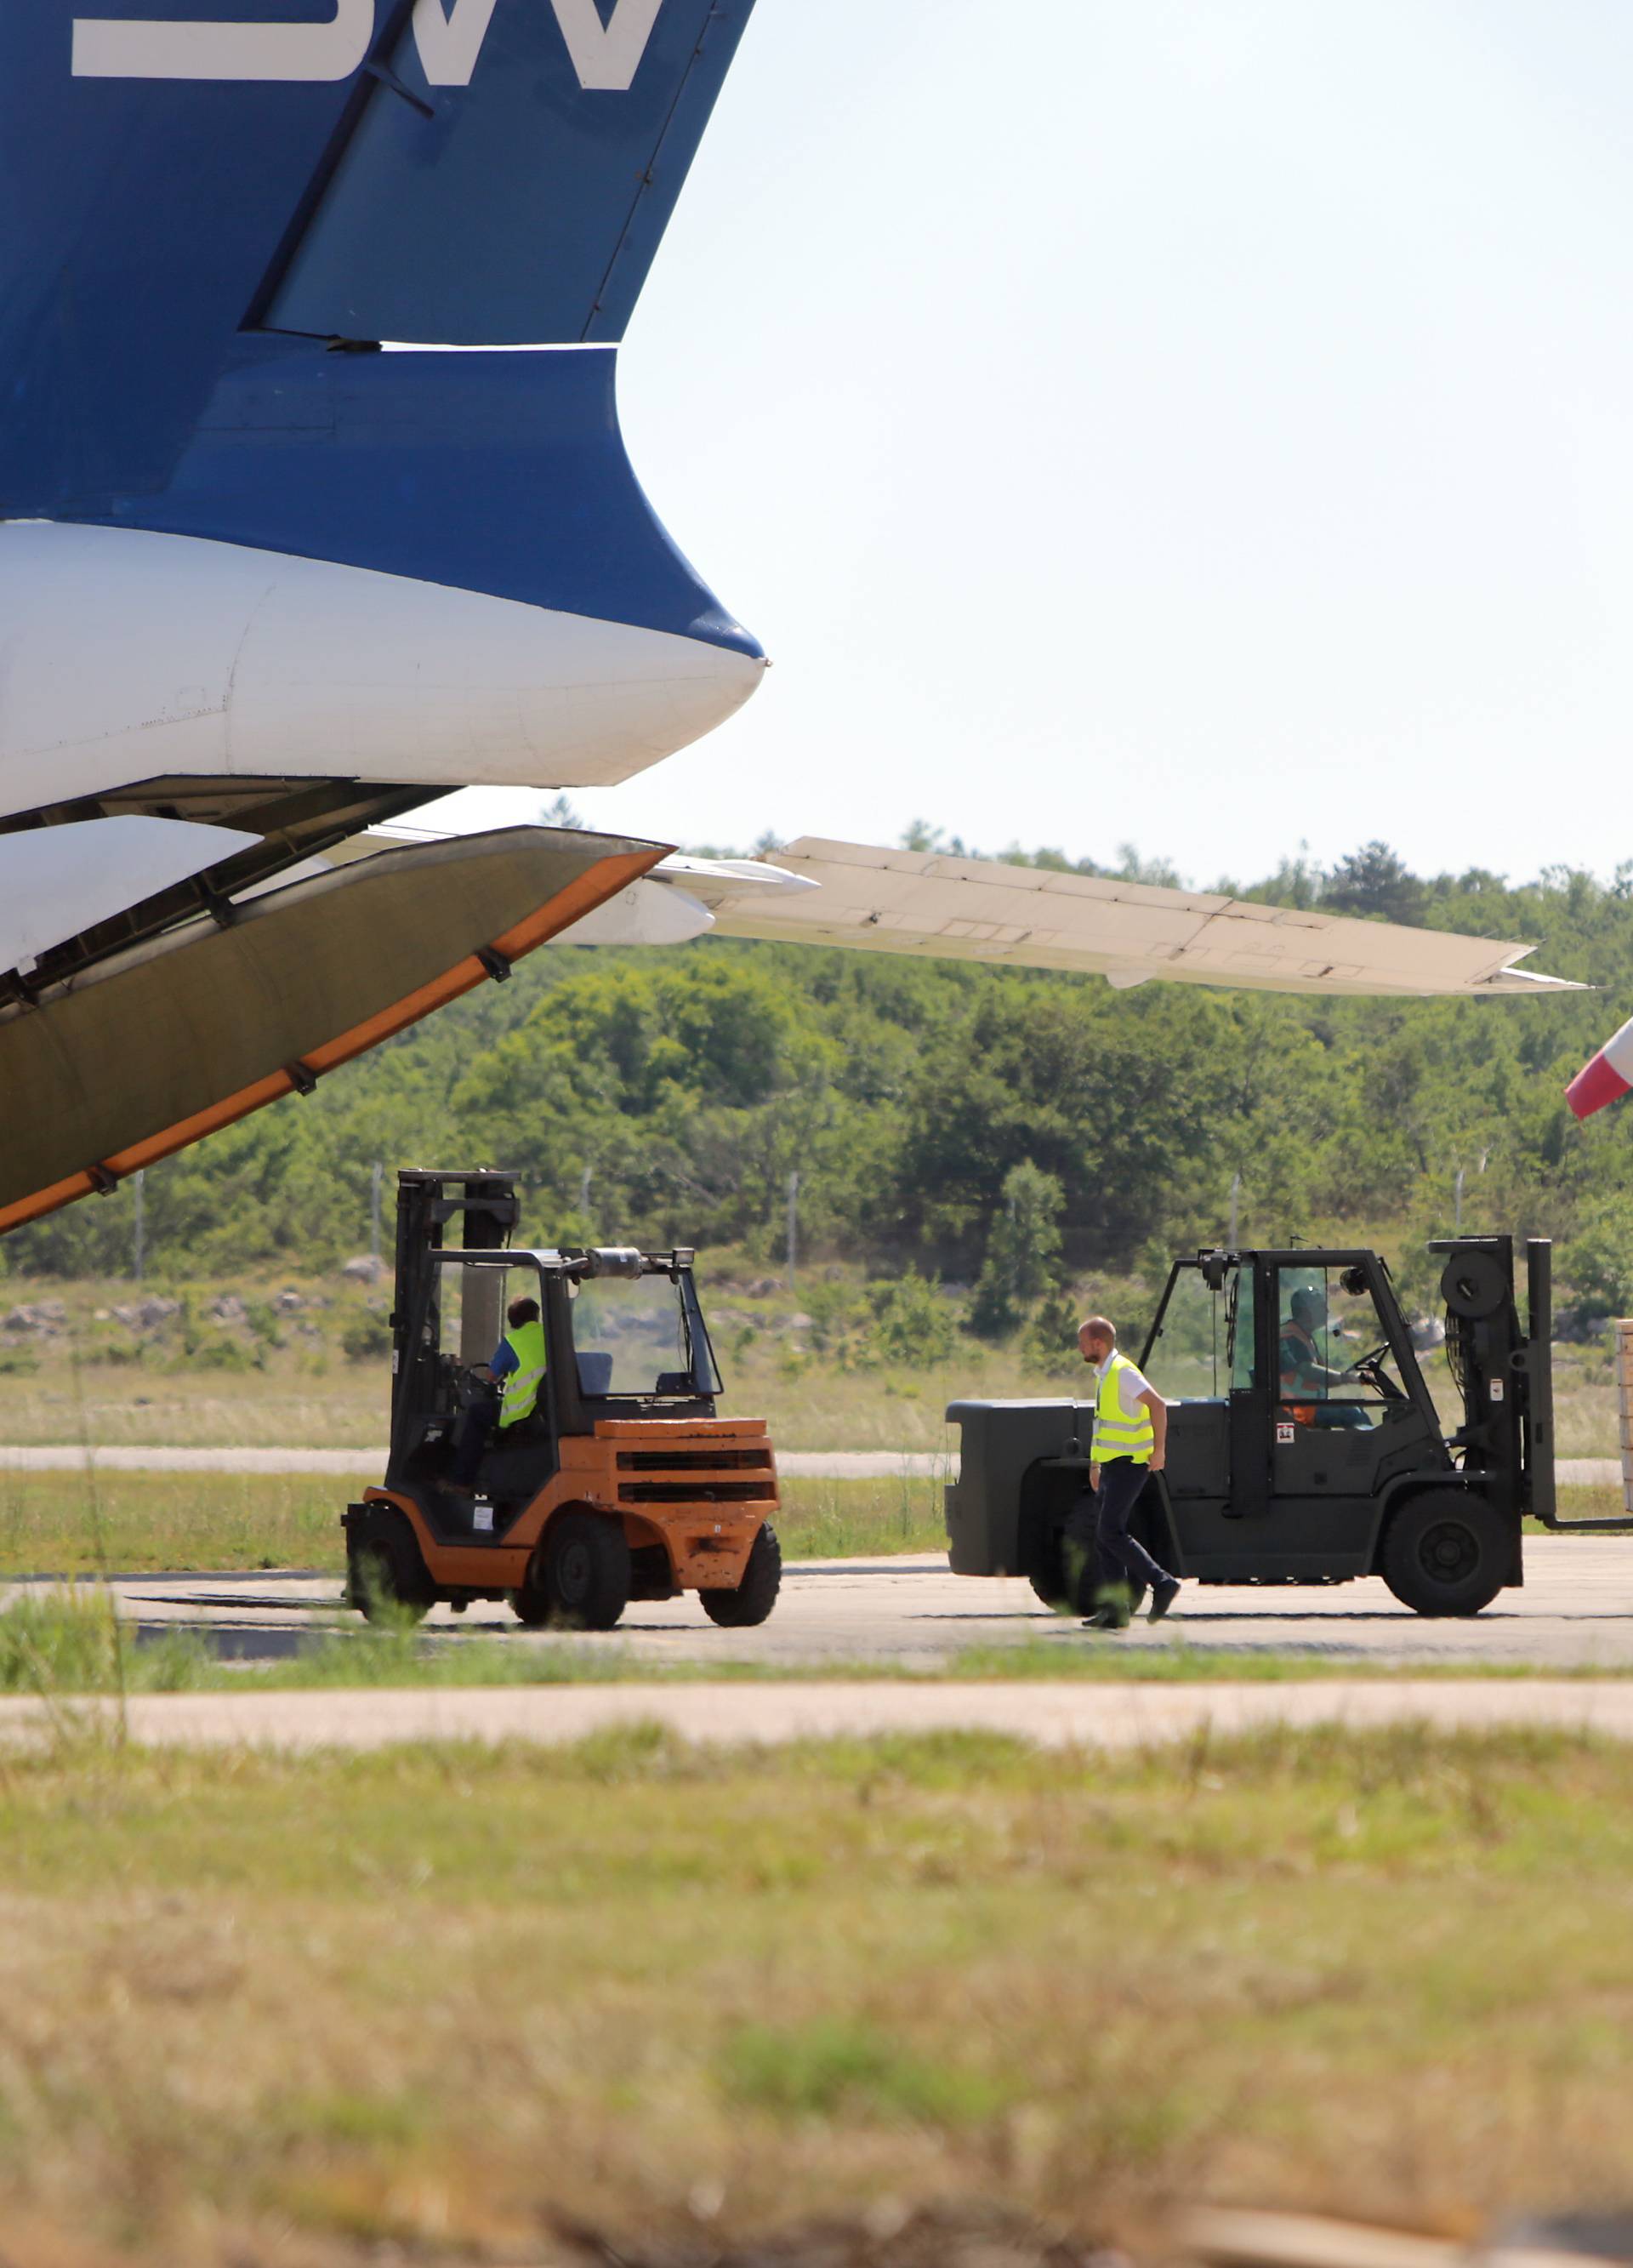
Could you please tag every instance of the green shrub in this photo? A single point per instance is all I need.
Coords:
(840, 2067)
(60, 1643)
(262, 1318)
(911, 1324)
(119, 1350)
(1597, 1262)
(366, 1336)
(1049, 1343)
(222, 1352)
(1023, 1250)
(836, 1310)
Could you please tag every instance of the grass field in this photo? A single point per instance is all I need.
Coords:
(137, 1523)
(140, 1523)
(281, 1379)
(346, 1406)
(447, 2001)
(190, 1381)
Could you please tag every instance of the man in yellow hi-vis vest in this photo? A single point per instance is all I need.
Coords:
(517, 1372)
(1130, 1442)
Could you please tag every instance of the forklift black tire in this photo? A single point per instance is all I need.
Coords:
(755, 1596)
(1049, 1582)
(385, 1576)
(586, 1571)
(1447, 1553)
(531, 1607)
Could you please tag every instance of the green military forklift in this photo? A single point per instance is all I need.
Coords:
(1304, 1442)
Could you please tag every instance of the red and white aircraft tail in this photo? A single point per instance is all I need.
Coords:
(1606, 1077)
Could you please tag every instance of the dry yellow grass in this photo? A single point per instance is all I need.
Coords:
(438, 2001)
(137, 1523)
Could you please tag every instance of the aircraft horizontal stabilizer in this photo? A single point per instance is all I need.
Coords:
(1033, 917)
(141, 1054)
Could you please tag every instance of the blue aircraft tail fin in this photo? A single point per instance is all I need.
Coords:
(445, 171)
(510, 174)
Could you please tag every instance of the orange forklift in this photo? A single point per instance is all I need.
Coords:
(621, 1484)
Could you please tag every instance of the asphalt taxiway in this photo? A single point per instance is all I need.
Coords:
(1575, 1612)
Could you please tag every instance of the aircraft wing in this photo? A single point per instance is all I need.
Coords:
(664, 906)
(1032, 917)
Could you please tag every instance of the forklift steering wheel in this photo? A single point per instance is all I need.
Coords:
(1368, 1361)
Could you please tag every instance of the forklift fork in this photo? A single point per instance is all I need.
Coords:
(1539, 1405)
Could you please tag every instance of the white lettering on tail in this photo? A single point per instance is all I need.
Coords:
(449, 43)
(106, 47)
(607, 55)
(449, 35)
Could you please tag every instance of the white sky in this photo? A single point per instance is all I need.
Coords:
(1202, 422)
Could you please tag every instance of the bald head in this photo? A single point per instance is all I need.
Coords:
(1096, 1338)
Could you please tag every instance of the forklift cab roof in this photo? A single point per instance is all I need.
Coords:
(578, 1265)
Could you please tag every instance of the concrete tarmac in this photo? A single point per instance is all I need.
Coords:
(1079, 1715)
(1575, 1612)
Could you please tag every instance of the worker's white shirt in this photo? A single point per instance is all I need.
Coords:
(1132, 1383)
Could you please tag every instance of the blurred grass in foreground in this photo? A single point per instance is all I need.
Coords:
(435, 1999)
(60, 1646)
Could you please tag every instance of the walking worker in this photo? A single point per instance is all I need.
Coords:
(1130, 1443)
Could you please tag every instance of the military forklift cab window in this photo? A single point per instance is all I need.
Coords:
(1188, 1358)
(1322, 1329)
(1237, 1296)
(1201, 1347)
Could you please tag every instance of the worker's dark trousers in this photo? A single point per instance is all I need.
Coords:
(1123, 1559)
(472, 1435)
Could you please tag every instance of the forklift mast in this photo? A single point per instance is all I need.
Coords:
(426, 1202)
(1506, 1375)
(1501, 1369)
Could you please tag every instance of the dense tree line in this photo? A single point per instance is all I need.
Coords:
(670, 1095)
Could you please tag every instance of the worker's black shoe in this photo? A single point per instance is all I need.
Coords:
(1106, 1618)
(1163, 1596)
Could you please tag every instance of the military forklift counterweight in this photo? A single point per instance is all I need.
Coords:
(1305, 1461)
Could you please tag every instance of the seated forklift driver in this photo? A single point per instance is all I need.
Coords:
(1303, 1371)
(511, 1383)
